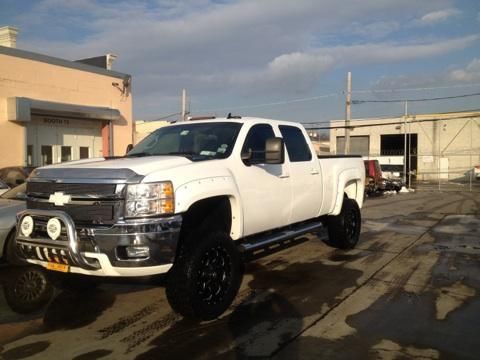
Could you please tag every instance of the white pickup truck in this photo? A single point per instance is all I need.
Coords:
(194, 199)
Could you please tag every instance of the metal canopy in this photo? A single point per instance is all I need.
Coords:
(21, 109)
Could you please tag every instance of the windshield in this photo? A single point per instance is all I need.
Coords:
(17, 193)
(194, 141)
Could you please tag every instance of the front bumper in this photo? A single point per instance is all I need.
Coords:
(96, 250)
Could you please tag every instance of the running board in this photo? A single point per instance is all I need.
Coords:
(262, 242)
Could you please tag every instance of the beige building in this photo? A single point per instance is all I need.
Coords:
(439, 146)
(54, 110)
(144, 128)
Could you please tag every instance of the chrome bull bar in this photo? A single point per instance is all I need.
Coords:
(68, 249)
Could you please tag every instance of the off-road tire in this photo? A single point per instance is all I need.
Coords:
(27, 289)
(344, 229)
(205, 277)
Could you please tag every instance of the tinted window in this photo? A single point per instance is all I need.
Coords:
(297, 147)
(255, 141)
(197, 141)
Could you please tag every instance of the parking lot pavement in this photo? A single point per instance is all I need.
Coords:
(408, 290)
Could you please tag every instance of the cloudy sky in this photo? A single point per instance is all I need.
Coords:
(272, 58)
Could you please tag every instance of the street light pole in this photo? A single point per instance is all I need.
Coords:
(348, 113)
(405, 143)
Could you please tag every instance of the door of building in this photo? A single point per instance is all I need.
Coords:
(54, 140)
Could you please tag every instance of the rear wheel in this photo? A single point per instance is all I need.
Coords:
(206, 276)
(344, 229)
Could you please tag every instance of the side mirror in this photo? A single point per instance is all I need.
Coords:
(274, 151)
(129, 147)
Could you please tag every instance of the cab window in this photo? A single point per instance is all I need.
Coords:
(255, 141)
(297, 147)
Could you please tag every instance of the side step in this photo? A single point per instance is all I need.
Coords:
(281, 239)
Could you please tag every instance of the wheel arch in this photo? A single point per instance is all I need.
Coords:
(207, 194)
(352, 185)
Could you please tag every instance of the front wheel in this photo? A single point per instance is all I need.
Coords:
(206, 276)
(344, 229)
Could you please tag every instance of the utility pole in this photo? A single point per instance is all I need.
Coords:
(348, 113)
(184, 104)
(405, 144)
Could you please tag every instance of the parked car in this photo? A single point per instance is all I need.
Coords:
(375, 181)
(476, 172)
(3, 187)
(11, 202)
(15, 175)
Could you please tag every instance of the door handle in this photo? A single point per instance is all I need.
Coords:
(284, 176)
(314, 172)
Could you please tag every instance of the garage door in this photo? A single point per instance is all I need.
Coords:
(359, 145)
(53, 140)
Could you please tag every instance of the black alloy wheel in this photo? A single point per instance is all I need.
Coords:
(344, 228)
(214, 275)
(205, 277)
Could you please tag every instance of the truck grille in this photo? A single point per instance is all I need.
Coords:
(91, 203)
(47, 188)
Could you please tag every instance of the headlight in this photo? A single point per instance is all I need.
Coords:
(150, 199)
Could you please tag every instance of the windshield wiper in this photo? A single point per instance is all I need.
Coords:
(140, 154)
(181, 153)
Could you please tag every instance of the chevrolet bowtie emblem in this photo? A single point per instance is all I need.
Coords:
(59, 199)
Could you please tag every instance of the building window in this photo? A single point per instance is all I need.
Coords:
(29, 155)
(47, 156)
(66, 153)
(84, 152)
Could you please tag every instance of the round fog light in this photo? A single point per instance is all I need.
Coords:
(26, 227)
(54, 228)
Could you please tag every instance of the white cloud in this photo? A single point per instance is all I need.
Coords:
(375, 30)
(397, 52)
(438, 16)
(470, 74)
(255, 47)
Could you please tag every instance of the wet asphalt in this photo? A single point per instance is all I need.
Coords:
(409, 290)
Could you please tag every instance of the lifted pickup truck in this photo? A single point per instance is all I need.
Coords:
(194, 199)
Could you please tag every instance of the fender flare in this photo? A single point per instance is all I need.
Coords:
(351, 181)
(189, 193)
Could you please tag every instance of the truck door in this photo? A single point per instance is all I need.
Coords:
(305, 175)
(264, 188)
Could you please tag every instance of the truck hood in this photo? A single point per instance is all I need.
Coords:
(131, 169)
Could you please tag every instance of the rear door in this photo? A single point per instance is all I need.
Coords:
(305, 175)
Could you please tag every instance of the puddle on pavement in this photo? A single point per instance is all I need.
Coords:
(274, 313)
(72, 310)
(25, 351)
(439, 322)
(93, 355)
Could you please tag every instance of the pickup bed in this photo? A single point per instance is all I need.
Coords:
(194, 200)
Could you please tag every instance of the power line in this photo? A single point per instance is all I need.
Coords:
(357, 102)
(415, 89)
(411, 121)
(166, 116)
(284, 102)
